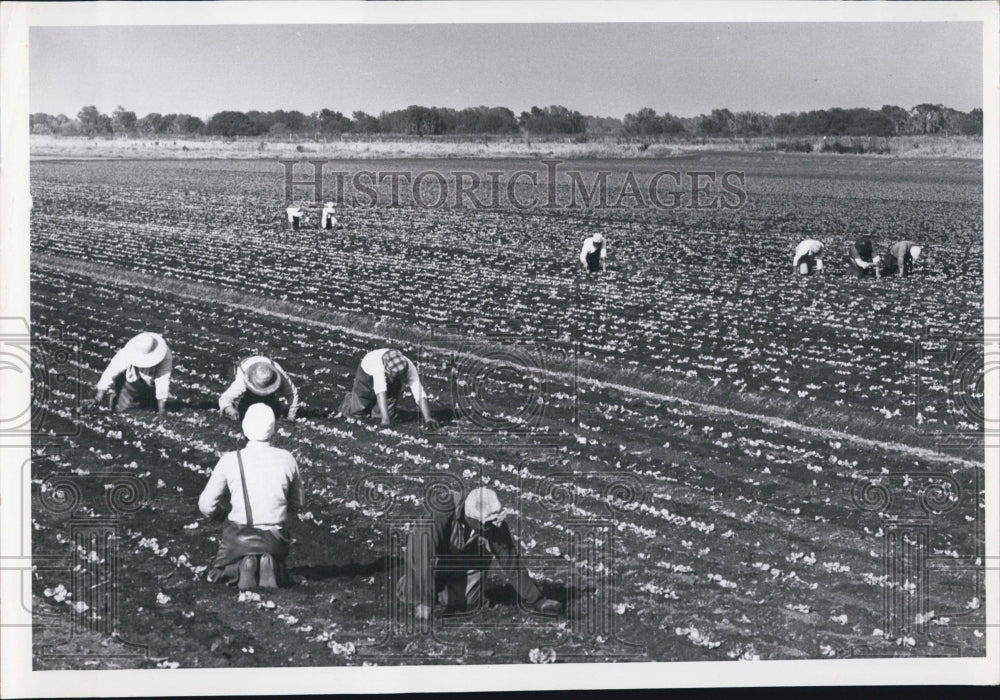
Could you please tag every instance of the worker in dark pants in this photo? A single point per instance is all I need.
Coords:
(328, 219)
(378, 386)
(138, 375)
(900, 258)
(594, 253)
(296, 217)
(861, 256)
(448, 563)
(259, 380)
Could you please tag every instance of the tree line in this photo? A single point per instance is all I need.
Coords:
(421, 121)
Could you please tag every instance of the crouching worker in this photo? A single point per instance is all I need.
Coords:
(808, 257)
(593, 253)
(328, 218)
(378, 386)
(862, 257)
(448, 563)
(259, 380)
(900, 258)
(138, 375)
(263, 486)
(296, 217)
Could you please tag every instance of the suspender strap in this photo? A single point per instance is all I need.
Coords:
(246, 496)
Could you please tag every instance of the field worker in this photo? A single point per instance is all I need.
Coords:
(862, 257)
(259, 380)
(900, 258)
(378, 386)
(329, 216)
(264, 486)
(808, 257)
(593, 253)
(448, 563)
(138, 374)
(296, 217)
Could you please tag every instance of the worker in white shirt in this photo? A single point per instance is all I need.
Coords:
(329, 217)
(138, 374)
(808, 257)
(296, 217)
(593, 253)
(378, 386)
(900, 258)
(259, 380)
(264, 486)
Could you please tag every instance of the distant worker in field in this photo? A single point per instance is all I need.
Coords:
(264, 486)
(138, 375)
(296, 217)
(808, 257)
(593, 253)
(900, 258)
(329, 217)
(259, 380)
(448, 563)
(378, 386)
(862, 258)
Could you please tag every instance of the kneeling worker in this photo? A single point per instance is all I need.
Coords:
(900, 258)
(264, 485)
(378, 386)
(808, 257)
(448, 563)
(138, 374)
(593, 253)
(862, 258)
(259, 380)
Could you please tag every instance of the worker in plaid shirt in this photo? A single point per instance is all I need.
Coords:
(378, 386)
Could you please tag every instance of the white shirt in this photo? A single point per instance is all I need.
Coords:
(807, 247)
(274, 486)
(157, 376)
(239, 386)
(328, 211)
(293, 212)
(589, 246)
(372, 364)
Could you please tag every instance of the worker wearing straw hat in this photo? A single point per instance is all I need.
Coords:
(138, 374)
(808, 257)
(259, 380)
(378, 386)
(447, 563)
(593, 253)
(328, 218)
(264, 486)
(900, 258)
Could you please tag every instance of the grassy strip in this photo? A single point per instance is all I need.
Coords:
(777, 411)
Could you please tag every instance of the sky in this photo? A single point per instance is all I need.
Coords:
(598, 69)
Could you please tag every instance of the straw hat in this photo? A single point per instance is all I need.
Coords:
(258, 423)
(598, 238)
(145, 350)
(262, 379)
(483, 505)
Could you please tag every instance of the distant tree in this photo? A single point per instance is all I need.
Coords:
(604, 126)
(123, 121)
(150, 125)
(553, 120)
(365, 123)
(719, 123)
(92, 122)
(331, 122)
(645, 122)
(232, 123)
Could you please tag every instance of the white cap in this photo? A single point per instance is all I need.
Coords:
(915, 251)
(258, 423)
(483, 505)
(598, 238)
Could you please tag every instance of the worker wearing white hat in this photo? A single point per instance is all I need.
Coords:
(593, 253)
(138, 373)
(328, 219)
(259, 380)
(447, 564)
(900, 258)
(808, 257)
(264, 486)
(296, 217)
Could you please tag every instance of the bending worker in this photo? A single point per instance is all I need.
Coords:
(862, 258)
(378, 386)
(138, 374)
(593, 253)
(259, 380)
(328, 219)
(448, 563)
(808, 257)
(900, 258)
(296, 217)
(264, 486)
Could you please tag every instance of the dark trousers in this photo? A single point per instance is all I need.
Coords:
(294, 224)
(328, 223)
(361, 399)
(594, 261)
(129, 395)
(861, 271)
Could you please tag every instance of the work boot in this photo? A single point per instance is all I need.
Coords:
(268, 579)
(248, 573)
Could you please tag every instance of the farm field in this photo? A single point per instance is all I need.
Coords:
(723, 534)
